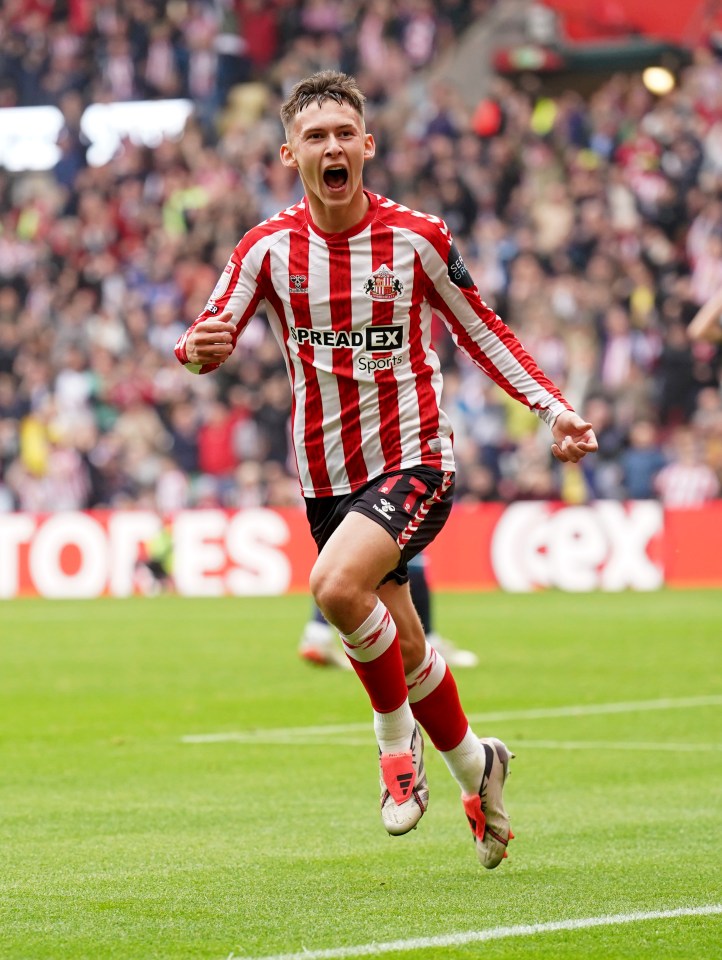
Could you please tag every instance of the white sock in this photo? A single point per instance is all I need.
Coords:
(466, 763)
(393, 730)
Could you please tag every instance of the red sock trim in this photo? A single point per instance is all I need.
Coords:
(441, 714)
(384, 678)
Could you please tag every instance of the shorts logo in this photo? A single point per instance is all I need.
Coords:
(385, 509)
(299, 283)
(383, 285)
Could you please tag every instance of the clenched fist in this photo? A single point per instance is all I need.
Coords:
(211, 341)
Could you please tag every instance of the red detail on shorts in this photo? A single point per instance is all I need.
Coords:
(414, 523)
(440, 713)
(411, 500)
(384, 679)
(390, 483)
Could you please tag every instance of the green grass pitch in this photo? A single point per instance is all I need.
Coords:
(121, 841)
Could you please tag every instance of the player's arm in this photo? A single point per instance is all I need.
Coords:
(707, 322)
(210, 339)
(489, 342)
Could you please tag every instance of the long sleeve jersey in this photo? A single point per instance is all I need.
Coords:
(352, 314)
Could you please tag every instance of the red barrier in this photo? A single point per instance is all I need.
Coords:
(525, 546)
(693, 546)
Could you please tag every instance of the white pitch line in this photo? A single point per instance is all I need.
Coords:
(275, 734)
(595, 709)
(282, 734)
(618, 745)
(494, 933)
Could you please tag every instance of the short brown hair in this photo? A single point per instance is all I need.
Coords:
(321, 86)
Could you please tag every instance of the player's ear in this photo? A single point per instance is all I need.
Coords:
(369, 146)
(287, 157)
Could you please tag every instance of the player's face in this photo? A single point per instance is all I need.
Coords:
(328, 145)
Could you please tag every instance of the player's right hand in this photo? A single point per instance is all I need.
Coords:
(211, 340)
(573, 438)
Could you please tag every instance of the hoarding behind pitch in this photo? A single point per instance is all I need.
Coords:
(521, 547)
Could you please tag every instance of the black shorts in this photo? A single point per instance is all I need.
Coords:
(412, 505)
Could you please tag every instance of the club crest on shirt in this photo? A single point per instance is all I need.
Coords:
(298, 283)
(383, 285)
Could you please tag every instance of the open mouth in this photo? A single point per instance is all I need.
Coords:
(335, 178)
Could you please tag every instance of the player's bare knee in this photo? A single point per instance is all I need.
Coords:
(332, 592)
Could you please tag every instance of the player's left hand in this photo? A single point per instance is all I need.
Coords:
(573, 438)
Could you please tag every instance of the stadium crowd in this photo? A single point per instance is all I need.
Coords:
(593, 226)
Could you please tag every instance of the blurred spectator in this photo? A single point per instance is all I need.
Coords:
(71, 140)
(686, 481)
(216, 453)
(642, 461)
(604, 474)
(271, 418)
(677, 386)
(183, 427)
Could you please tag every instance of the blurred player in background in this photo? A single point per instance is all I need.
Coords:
(154, 567)
(319, 643)
(350, 281)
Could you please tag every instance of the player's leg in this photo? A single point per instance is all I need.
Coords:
(357, 556)
(420, 593)
(421, 596)
(319, 643)
(353, 561)
(433, 693)
(480, 767)
(412, 638)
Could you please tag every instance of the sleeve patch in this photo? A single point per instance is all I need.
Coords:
(458, 274)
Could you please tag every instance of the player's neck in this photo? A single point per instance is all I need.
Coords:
(339, 219)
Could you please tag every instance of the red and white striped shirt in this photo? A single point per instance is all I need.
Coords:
(352, 314)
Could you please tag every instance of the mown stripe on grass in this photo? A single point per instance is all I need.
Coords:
(640, 745)
(494, 933)
(540, 713)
